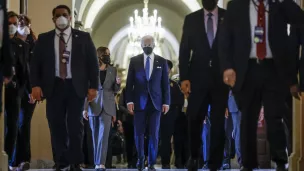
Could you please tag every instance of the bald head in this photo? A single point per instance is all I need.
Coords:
(147, 44)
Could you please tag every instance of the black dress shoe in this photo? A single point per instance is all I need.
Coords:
(62, 168)
(226, 166)
(151, 168)
(192, 164)
(245, 169)
(166, 166)
(75, 167)
(140, 164)
(281, 167)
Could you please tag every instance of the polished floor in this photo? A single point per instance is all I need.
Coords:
(156, 169)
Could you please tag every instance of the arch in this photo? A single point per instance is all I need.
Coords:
(97, 5)
(123, 32)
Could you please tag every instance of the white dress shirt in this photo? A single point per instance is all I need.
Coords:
(151, 62)
(253, 23)
(68, 39)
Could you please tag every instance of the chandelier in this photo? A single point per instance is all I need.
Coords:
(145, 25)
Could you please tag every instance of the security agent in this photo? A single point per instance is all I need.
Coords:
(167, 121)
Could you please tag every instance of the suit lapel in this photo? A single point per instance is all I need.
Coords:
(142, 64)
(245, 14)
(51, 50)
(155, 64)
(202, 26)
(74, 47)
(219, 20)
(108, 75)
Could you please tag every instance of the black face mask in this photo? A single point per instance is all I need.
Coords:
(209, 5)
(106, 59)
(148, 50)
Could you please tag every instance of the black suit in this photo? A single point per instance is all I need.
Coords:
(260, 82)
(202, 69)
(13, 93)
(65, 98)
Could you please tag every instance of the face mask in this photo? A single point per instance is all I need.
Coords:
(24, 30)
(62, 22)
(209, 5)
(12, 29)
(148, 50)
(106, 59)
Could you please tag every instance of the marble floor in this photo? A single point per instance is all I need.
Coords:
(156, 169)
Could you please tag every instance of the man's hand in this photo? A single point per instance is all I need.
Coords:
(37, 93)
(229, 77)
(165, 109)
(85, 115)
(186, 87)
(92, 94)
(295, 91)
(31, 99)
(226, 113)
(7, 80)
(131, 108)
(113, 119)
(118, 80)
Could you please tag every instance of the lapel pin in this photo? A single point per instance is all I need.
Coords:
(20, 45)
(76, 35)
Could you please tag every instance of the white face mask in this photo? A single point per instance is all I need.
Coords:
(12, 29)
(62, 22)
(24, 30)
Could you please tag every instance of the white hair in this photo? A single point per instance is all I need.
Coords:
(145, 38)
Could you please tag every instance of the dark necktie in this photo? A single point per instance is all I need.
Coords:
(62, 65)
(210, 31)
(147, 69)
(261, 47)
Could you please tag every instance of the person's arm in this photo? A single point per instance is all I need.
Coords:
(116, 87)
(130, 83)
(226, 40)
(294, 50)
(86, 105)
(92, 64)
(7, 56)
(122, 104)
(292, 11)
(165, 85)
(185, 52)
(35, 63)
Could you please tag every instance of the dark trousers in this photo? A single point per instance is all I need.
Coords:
(151, 116)
(206, 139)
(180, 139)
(236, 119)
(22, 150)
(64, 114)
(87, 144)
(166, 132)
(216, 95)
(229, 151)
(287, 118)
(262, 85)
(130, 144)
(12, 109)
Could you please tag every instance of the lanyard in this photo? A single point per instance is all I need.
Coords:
(62, 39)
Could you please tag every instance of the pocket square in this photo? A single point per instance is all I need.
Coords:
(158, 67)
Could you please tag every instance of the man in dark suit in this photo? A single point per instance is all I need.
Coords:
(167, 121)
(200, 76)
(254, 48)
(148, 95)
(64, 70)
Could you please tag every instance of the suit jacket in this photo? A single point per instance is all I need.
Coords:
(6, 56)
(84, 64)
(195, 52)
(21, 52)
(138, 88)
(177, 97)
(296, 40)
(105, 99)
(232, 106)
(235, 38)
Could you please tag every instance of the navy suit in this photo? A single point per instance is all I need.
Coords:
(148, 96)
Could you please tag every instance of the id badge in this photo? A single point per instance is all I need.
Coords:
(66, 57)
(258, 34)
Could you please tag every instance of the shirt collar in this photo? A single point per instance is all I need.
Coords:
(151, 56)
(66, 31)
(214, 12)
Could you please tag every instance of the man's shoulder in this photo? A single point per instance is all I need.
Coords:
(80, 33)
(194, 14)
(136, 58)
(160, 58)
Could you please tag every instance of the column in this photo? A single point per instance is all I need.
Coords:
(40, 11)
(3, 156)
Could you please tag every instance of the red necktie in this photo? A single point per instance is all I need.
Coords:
(62, 65)
(261, 47)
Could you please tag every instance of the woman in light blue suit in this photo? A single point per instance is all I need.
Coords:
(101, 111)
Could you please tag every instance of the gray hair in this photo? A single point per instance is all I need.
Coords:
(145, 38)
